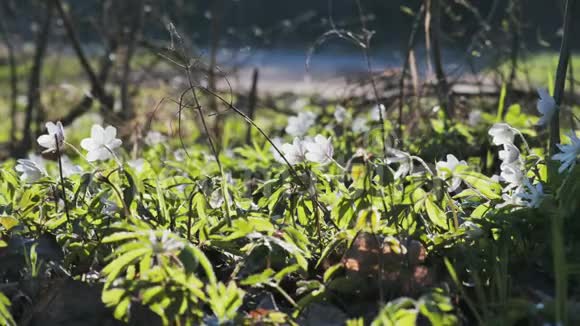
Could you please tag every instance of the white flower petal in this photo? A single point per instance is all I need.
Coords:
(110, 134)
(98, 134)
(502, 133)
(46, 141)
(88, 144)
(93, 156)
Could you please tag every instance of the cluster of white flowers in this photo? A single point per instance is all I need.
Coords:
(299, 125)
(317, 150)
(519, 190)
(100, 146)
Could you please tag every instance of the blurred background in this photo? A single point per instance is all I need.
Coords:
(62, 59)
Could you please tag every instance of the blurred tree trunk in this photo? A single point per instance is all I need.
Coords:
(135, 10)
(34, 91)
(109, 31)
(443, 90)
(13, 76)
(97, 88)
(514, 21)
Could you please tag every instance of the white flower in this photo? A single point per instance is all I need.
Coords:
(216, 200)
(109, 206)
(166, 244)
(509, 154)
(534, 197)
(299, 125)
(502, 133)
(569, 153)
(340, 114)
(137, 164)
(446, 169)
(472, 230)
(403, 159)
(359, 125)
(299, 104)
(154, 138)
(180, 155)
(101, 144)
(277, 141)
(474, 118)
(377, 112)
(512, 174)
(320, 150)
(69, 168)
(38, 160)
(510, 200)
(546, 106)
(295, 153)
(55, 132)
(31, 171)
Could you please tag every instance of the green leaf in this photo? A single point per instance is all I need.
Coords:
(481, 210)
(203, 262)
(451, 271)
(130, 192)
(152, 294)
(121, 236)
(489, 188)
(368, 219)
(122, 309)
(436, 215)
(401, 311)
(8, 222)
(339, 239)
(5, 315)
(162, 204)
(406, 10)
(330, 271)
(118, 265)
(113, 296)
(258, 279)
(286, 271)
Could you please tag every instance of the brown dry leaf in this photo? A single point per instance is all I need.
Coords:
(400, 267)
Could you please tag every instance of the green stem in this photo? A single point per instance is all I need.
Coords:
(560, 270)
(561, 74)
(66, 210)
(558, 241)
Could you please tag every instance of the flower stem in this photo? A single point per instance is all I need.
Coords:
(80, 154)
(561, 74)
(558, 241)
(66, 211)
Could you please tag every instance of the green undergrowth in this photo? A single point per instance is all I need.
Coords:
(461, 226)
